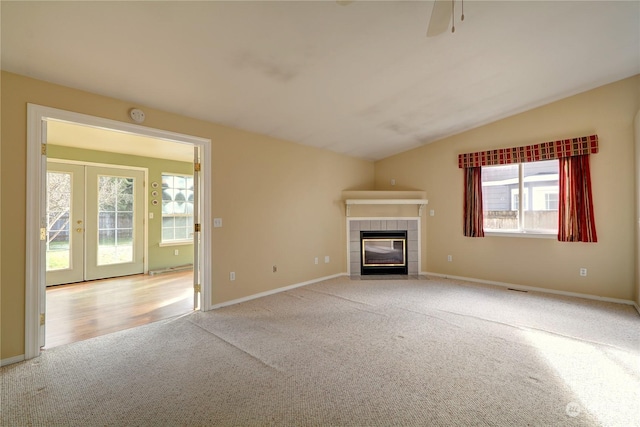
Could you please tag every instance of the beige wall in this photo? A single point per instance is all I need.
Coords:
(607, 111)
(280, 202)
(637, 234)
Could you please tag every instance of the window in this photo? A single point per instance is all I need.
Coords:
(535, 183)
(177, 208)
(515, 199)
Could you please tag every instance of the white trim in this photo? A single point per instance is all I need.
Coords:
(34, 275)
(34, 259)
(535, 289)
(420, 202)
(176, 243)
(206, 221)
(525, 234)
(275, 291)
(11, 360)
(385, 218)
(386, 202)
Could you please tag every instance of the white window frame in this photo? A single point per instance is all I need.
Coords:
(173, 242)
(521, 231)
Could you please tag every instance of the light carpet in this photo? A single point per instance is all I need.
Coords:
(343, 352)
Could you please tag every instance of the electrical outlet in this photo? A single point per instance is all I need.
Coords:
(176, 252)
(232, 276)
(217, 222)
(432, 212)
(583, 272)
(316, 260)
(449, 258)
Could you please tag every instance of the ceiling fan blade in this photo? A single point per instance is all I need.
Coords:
(440, 17)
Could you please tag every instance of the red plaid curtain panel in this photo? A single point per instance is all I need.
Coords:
(473, 214)
(531, 153)
(576, 221)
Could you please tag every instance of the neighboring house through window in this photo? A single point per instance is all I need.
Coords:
(534, 183)
(177, 208)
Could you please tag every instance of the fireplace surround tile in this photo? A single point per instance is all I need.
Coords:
(413, 268)
(410, 225)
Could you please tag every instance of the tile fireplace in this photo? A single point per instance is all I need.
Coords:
(383, 246)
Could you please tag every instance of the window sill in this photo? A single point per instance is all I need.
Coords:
(526, 234)
(176, 243)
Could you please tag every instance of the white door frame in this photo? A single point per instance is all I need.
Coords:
(35, 275)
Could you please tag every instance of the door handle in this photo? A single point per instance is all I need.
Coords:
(79, 230)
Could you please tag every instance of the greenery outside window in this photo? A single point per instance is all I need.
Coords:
(177, 208)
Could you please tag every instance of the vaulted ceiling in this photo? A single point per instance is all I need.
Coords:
(361, 79)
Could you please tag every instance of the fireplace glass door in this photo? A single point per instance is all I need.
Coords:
(383, 252)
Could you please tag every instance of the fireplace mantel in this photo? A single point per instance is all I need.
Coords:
(385, 198)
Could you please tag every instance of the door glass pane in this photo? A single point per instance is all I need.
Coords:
(115, 213)
(58, 215)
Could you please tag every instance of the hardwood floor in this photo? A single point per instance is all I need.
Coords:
(85, 310)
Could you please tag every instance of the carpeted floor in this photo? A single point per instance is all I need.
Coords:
(422, 351)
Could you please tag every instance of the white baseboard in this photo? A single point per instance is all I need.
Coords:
(275, 291)
(536, 289)
(11, 360)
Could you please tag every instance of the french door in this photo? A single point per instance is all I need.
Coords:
(95, 223)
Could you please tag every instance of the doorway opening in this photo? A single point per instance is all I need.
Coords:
(106, 231)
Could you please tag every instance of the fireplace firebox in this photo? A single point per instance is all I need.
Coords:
(383, 252)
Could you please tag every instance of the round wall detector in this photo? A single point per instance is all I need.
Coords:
(137, 115)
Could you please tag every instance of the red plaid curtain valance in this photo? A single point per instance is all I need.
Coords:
(531, 153)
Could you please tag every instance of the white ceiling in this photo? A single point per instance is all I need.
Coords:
(88, 137)
(361, 79)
